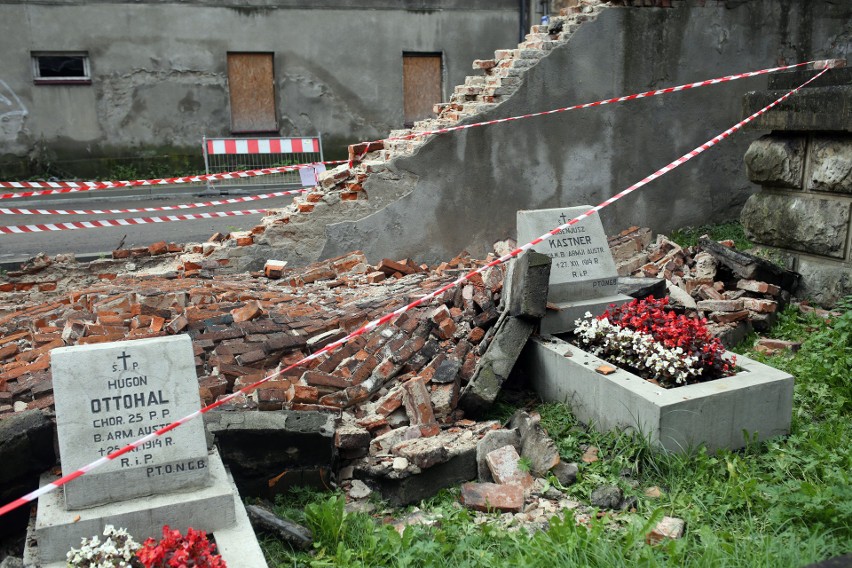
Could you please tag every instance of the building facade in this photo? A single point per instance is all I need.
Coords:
(89, 83)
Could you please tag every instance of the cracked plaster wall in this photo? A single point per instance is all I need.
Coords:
(159, 79)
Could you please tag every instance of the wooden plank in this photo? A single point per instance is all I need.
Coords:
(421, 85)
(252, 89)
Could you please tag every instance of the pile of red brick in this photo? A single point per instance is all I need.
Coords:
(244, 326)
(735, 291)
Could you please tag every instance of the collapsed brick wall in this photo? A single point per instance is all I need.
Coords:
(245, 325)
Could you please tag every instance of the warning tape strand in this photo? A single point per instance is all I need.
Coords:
(70, 186)
(229, 201)
(58, 187)
(52, 486)
(818, 64)
(46, 227)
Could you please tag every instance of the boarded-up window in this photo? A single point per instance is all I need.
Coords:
(421, 85)
(252, 88)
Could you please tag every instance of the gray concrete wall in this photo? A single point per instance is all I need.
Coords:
(469, 184)
(159, 68)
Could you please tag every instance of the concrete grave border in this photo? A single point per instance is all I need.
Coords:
(758, 400)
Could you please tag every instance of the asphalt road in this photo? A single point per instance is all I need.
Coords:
(16, 248)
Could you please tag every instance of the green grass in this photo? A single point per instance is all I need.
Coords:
(785, 502)
(732, 230)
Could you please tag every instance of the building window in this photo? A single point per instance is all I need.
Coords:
(421, 85)
(61, 67)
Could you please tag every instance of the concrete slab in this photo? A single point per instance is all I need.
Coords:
(560, 316)
(758, 401)
(211, 508)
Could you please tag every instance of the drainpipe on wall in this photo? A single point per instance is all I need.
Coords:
(522, 5)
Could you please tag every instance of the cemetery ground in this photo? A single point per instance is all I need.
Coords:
(783, 502)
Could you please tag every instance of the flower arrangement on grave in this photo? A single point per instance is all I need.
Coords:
(177, 551)
(118, 549)
(645, 338)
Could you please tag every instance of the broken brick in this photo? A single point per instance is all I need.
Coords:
(489, 497)
(504, 464)
(248, 312)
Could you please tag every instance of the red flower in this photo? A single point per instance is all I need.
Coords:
(672, 330)
(177, 551)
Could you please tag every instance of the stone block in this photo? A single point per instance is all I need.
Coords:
(641, 288)
(503, 463)
(495, 365)
(802, 223)
(758, 400)
(528, 291)
(494, 440)
(244, 439)
(668, 527)
(536, 445)
(720, 305)
(26, 450)
(826, 282)
(758, 287)
(418, 403)
(825, 108)
(489, 497)
(776, 160)
(422, 452)
(414, 488)
(831, 164)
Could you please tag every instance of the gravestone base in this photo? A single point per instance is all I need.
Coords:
(561, 319)
(215, 508)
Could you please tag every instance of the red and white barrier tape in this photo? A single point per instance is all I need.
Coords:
(29, 497)
(71, 186)
(818, 64)
(230, 201)
(20, 229)
(55, 187)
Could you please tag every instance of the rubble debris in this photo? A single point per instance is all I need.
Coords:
(566, 473)
(510, 337)
(505, 466)
(750, 267)
(640, 288)
(536, 446)
(493, 440)
(736, 291)
(667, 528)
(294, 534)
(488, 497)
(530, 277)
(607, 497)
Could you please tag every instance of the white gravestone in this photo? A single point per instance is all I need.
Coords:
(109, 395)
(583, 276)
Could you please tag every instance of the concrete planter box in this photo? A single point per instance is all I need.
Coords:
(758, 401)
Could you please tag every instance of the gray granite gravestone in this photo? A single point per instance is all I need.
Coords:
(583, 277)
(110, 394)
(107, 396)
